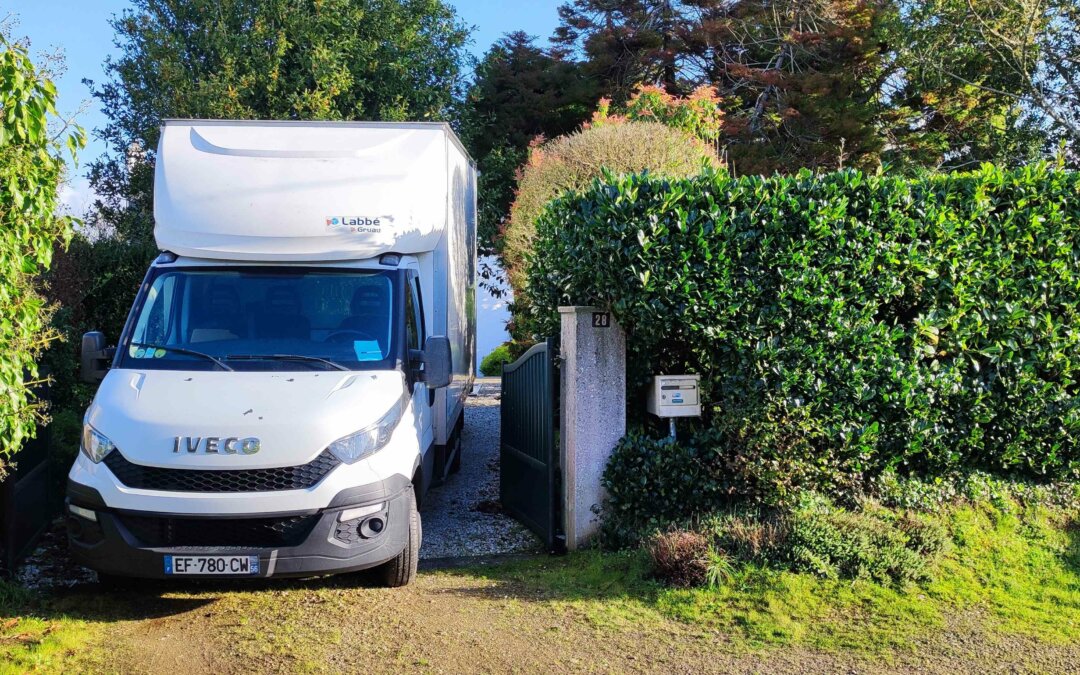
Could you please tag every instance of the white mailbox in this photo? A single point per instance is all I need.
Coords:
(675, 396)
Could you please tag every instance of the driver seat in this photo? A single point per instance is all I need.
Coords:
(369, 312)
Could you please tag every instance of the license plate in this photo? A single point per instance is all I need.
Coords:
(229, 565)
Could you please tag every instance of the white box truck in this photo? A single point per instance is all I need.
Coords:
(292, 375)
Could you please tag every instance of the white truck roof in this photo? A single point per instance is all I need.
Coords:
(303, 191)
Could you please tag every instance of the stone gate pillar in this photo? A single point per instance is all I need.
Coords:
(592, 415)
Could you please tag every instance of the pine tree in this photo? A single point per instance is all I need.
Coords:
(520, 92)
(803, 82)
(973, 76)
(626, 43)
(800, 79)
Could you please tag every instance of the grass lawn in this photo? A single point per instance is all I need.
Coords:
(1006, 593)
(1018, 573)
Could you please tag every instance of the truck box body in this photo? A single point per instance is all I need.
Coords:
(307, 268)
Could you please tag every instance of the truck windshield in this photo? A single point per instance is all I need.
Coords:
(259, 319)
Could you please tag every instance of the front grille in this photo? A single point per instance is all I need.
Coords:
(157, 532)
(220, 480)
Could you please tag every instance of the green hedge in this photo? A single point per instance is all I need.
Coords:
(843, 324)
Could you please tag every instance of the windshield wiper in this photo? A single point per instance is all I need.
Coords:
(285, 357)
(181, 350)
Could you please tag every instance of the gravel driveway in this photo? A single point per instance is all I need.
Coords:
(462, 517)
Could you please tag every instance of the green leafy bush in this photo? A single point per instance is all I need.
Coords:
(651, 483)
(64, 436)
(844, 325)
(31, 170)
(977, 487)
(93, 283)
(493, 363)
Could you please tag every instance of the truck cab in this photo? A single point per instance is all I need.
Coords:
(288, 384)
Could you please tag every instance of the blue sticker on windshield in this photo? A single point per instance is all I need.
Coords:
(367, 350)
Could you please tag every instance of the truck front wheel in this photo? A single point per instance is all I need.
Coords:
(401, 570)
(459, 446)
(455, 463)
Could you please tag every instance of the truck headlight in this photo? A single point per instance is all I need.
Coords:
(95, 444)
(367, 441)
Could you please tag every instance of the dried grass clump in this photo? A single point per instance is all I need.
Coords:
(680, 558)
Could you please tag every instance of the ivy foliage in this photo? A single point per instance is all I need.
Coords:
(844, 324)
(31, 170)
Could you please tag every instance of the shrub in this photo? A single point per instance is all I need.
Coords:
(65, 434)
(493, 363)
(571, 162)
(698, 114)
(31, 170)
(680, 558)
(925, 536)
(652, 483)
(815, 536)
(844, 325)
(93, 283)
(974, 486)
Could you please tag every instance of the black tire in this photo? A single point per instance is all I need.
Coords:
(455, 463)
(402, 570)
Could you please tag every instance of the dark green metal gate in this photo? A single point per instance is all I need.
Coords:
(528, 484)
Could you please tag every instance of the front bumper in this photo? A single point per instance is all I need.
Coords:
(293, 544)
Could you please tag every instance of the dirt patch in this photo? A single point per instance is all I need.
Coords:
(451, 622)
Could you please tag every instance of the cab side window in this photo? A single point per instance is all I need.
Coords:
(413, 325)
(420, 324)
(155, 323)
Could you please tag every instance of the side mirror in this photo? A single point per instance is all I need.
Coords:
(438, 362)
(95, 357)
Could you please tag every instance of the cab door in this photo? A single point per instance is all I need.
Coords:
(423, 398)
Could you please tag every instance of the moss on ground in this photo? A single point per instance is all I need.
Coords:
(1016, 569)
(1011, 576)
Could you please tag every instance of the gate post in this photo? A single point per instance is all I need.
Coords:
(592, 415)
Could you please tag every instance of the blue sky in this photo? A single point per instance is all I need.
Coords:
(81, 30)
